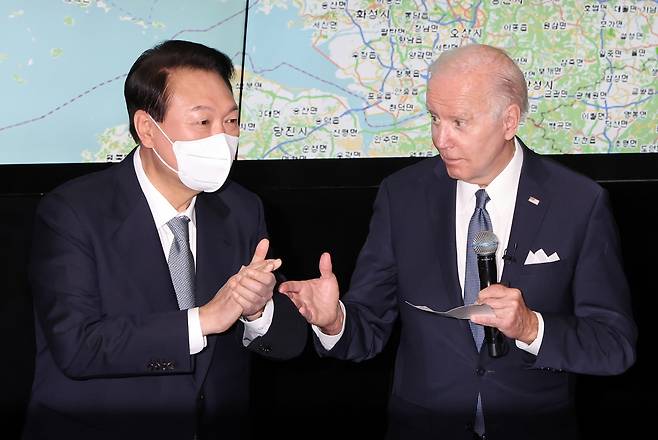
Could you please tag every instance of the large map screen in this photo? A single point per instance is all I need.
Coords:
(63, 64)
(347, 78)
(327, 78)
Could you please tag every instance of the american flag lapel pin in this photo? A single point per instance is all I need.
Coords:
(533, 200)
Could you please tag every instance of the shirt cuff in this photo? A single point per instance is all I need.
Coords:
(328, 341)
(258, 327)
(533, 348)
(197, 341)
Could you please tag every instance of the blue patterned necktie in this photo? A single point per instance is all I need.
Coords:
(181, 262)
(480, 221)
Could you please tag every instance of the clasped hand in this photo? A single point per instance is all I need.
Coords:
(243, 294)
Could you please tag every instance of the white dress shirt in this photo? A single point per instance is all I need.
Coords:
(162, 212)
(502, 194)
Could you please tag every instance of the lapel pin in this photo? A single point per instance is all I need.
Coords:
(533, 200)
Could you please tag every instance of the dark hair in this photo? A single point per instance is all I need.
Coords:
(146, 83)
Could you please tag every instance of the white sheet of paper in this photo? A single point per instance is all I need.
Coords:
(461, 312)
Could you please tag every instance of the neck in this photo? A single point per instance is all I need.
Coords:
(166, 181)
(502, 161)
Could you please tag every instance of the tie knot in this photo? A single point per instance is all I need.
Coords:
(481, 199)
(178, 226)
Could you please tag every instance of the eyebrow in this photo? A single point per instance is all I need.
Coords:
(200, 107)
(205, 107)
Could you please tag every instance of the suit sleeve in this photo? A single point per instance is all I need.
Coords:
(286, 337)
(599, 338)
(371, 303)
(85, 339)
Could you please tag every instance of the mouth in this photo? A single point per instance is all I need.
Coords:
(450, 160)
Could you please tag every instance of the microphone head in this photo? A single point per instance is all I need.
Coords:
(485, 243)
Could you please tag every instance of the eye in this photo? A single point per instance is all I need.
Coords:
(435, 119)
(204, 122)
(459, 123)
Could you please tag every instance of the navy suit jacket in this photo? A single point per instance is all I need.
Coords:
(113, 355)
(410, 255)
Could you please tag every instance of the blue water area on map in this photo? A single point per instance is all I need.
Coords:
(271, 41)
(99, 46)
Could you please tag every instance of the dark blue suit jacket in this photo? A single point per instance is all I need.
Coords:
(112, 355)
(410, 256)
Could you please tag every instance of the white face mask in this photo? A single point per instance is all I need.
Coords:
(203, 164)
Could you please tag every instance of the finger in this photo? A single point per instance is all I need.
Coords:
(325, 265)
(487, 320)
(254, 295)
(486, 295)
(265, 265)
(232, 282)
(498, 291)
(261, 289)
(245, 304)
(291, 287)
(261, 250)
(498, 305)
(258, 276)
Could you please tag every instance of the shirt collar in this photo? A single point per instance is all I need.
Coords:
(161, 209)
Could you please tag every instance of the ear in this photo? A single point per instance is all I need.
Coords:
(146, 129)
(511, 121)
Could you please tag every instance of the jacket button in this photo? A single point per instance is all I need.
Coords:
(480, 371)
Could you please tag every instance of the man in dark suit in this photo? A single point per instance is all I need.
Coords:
(149, 280)
(562, 305)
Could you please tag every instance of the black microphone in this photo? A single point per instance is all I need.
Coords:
(485, 244)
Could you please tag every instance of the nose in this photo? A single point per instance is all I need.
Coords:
(440, 136)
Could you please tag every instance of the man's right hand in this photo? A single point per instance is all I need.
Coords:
(245, 293)
(317, 299)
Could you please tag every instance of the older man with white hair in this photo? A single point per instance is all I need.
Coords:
(562, 305)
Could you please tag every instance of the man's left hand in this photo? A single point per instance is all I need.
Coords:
(511, 315)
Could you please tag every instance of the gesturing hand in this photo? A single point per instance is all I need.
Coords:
(317, 299)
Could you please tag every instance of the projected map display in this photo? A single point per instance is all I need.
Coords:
(327, 78)
(347, 78)
(63, 64)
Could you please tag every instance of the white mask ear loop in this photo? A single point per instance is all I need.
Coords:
(156, 151)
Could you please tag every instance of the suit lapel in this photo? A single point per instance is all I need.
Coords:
(441, 193)
(215, 262)
(532, 203)
(137, 242)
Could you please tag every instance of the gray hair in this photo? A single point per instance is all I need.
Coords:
(508, 81)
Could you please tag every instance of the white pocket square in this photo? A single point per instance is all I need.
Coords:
(540, 257)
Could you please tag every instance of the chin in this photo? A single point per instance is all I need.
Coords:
(455, 172)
